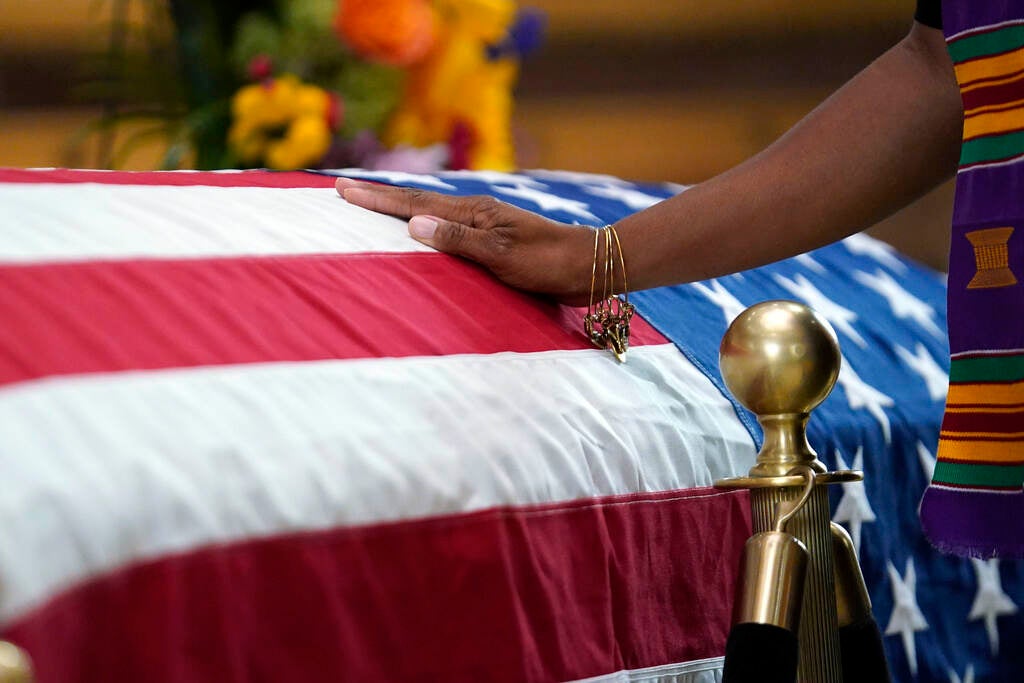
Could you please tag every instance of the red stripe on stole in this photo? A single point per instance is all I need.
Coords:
(992, 423)
(271, 179)
(108, 316)
(550, 593)
(1003, 93)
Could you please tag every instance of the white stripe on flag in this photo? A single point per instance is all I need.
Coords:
(61, 222)
(698, 671)
(102, 470)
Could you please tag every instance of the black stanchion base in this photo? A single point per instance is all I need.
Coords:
(863, 655)
(761, 653)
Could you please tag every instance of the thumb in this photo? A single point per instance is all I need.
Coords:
(450, 237)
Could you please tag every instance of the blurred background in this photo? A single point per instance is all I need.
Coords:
(661, 90)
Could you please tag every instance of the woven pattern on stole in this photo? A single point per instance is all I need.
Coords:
(975, 505)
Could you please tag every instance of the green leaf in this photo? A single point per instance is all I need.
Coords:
(369, 93)
(207, 128)
(257, 34)
(309, 15)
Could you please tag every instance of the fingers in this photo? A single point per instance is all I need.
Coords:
(443, 222)
(453, 238)
(406, 202)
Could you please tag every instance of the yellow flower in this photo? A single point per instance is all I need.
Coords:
(305, 141)
(282, 123)
(247, 142)
(248, 102)
(486, 20)
(459, 85)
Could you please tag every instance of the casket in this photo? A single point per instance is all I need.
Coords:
(249, 432)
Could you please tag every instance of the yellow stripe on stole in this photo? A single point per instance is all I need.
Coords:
(989, 67)
(982, 451)
(996, 122)
(983, 435)
(985, 394)
(994, 82)
(1002, 106)
(967, 409)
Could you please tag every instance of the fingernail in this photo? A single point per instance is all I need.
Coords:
(422, 227)
(342, 184)
(354, 194)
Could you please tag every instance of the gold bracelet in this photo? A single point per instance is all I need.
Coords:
(606, 323)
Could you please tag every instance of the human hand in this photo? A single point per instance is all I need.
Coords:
(522, 249)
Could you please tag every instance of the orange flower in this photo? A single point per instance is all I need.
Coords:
(396, 32)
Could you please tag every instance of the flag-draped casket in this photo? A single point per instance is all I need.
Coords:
(250, 432)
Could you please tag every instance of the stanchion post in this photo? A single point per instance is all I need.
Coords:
(780, 360)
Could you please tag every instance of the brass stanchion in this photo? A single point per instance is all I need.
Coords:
(780, 360)
(15, 666)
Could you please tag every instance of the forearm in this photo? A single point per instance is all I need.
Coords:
(887, 137)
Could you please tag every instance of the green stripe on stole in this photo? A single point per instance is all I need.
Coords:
(977, 474)
(990, 43)
(990, 369)
(992, 148)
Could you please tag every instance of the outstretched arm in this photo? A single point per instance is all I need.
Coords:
(885, 138)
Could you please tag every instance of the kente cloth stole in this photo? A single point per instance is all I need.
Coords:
(975, 503)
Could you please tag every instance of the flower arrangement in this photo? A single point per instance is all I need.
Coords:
(415, 85)
(282, 123)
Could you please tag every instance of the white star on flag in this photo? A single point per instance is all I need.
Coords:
(904, 305)
(841, 318)
(853, 508)
(921, 362)
(990, 601)
(721, 297)
(547, 201)
(807, 261)
(676, 188)
(968, 675)
(862, 396)
(906, 616)
(880, 251)
(927, 460)
(492, 177)
(634, 199)
(578, 177)
(397, 177)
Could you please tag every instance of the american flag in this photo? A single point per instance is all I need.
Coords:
(252, 432)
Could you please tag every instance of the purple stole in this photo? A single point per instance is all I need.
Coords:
(975, 503)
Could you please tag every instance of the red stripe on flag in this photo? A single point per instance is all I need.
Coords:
(277, 179)
(107, 316)
(507, 596)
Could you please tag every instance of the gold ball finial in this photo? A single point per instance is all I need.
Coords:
(15, 666)
(779, 357)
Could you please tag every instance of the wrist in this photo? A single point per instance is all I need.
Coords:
(576, 265)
